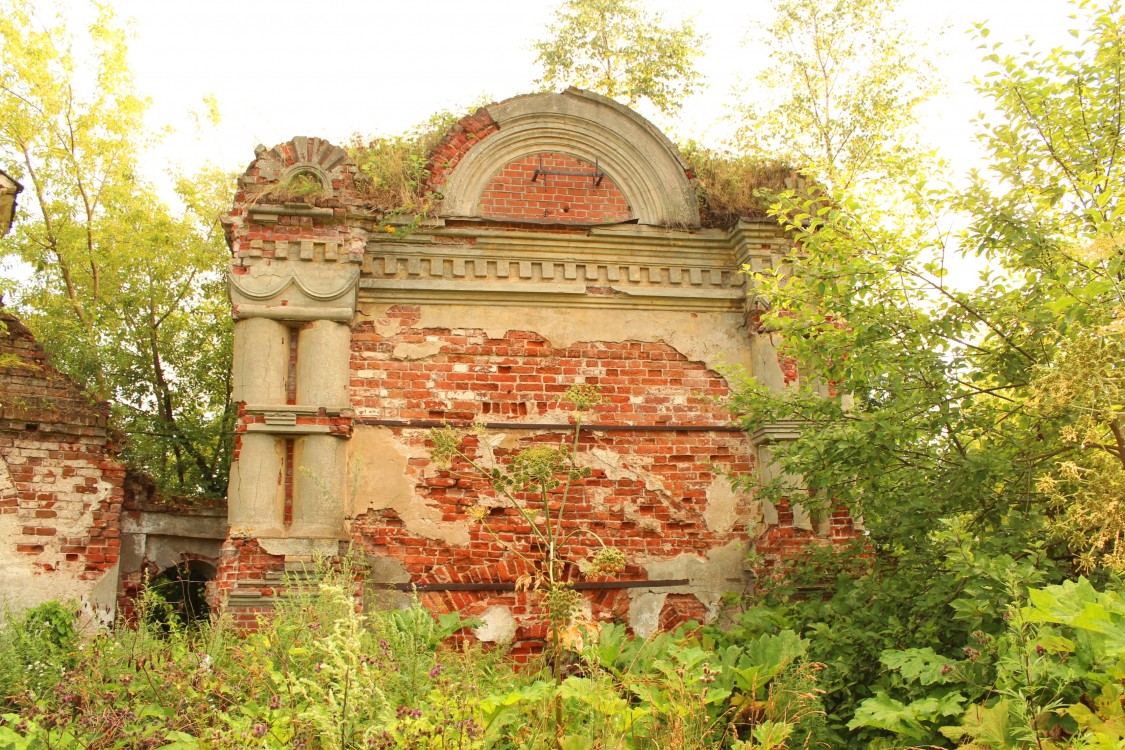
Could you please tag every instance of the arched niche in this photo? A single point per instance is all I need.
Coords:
(642, 162)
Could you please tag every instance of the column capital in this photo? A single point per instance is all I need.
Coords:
(294, 291)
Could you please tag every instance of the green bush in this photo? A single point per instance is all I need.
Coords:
(36, 649)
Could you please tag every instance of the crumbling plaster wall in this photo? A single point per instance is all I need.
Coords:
(60, 487)
(659, 493)
(351, 343)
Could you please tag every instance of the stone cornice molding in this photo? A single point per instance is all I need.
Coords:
(782, 431)
(621, 267)
(644, 164)
(318, 283)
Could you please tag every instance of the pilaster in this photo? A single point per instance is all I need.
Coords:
(293, 286)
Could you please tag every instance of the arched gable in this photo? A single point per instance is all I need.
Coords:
(595, 135)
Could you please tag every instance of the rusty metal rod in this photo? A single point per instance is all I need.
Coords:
(554, 426)
(511, 586)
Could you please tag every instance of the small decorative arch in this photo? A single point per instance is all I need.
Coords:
(645, 166)
(314, 160)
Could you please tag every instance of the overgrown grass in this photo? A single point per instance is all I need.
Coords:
(734, 186)
(321, 674)
(395, 176)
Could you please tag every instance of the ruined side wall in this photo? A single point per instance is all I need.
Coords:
(60, 487)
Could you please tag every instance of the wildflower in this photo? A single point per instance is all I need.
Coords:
(436, 670)
(260, 730)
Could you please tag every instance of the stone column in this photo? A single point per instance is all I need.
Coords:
(255, 492)
(318, 503)
(261, 361)
(770, 470)
(323, 357)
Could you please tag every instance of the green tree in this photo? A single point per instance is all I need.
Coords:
(618, 49)
(126, 295)
(981, 439)
(841, 90)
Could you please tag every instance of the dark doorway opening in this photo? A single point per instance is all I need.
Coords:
(181, 595)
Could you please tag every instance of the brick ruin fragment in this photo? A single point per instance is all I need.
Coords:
(60, 485)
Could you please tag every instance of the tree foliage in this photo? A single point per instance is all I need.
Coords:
(981, 437)
(126, 295)
(618, 49)
(844, 80)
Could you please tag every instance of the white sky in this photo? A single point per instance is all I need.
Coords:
(281, 68)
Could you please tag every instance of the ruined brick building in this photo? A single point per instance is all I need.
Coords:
(567, 248)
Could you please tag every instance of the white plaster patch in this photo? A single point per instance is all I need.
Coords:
(300, 547)
(101, 602)
(722, 505)
(722, 571)
(380, 480)
(416, 350)
(7, 486)
(499, 625)
(644, 613)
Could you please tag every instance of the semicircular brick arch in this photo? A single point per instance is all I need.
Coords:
(643, 163)
(318, 158)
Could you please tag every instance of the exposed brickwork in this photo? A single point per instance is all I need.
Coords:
(468, 132)
(643, 383)
(516, 193)
(245, 567)
(648, 492)
(784, 541)
(60, 487)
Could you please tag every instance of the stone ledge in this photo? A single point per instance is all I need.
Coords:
(291, 312)
(302, 409)
(778, 432)
(285, 429)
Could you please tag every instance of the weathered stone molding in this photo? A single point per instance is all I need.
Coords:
(777, 432)
(615, 268)
(645, 165)
(492, 268)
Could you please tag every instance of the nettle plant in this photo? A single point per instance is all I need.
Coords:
(540, 483)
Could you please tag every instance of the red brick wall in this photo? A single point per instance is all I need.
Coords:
(514, 194)
(653, 511)
(468, 132)
(66, 487)
(244, 566)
